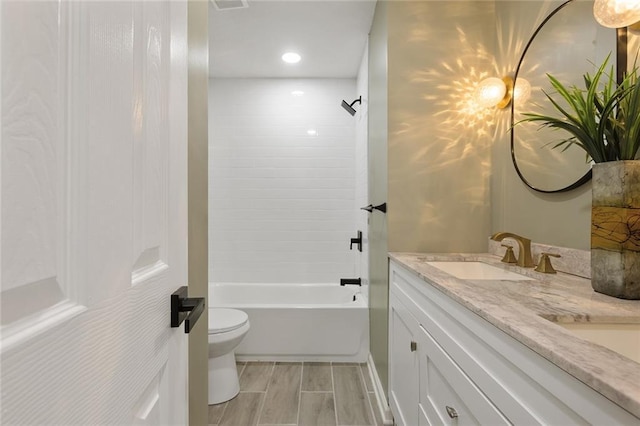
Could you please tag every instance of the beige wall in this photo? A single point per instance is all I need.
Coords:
(427, 160)
(438, 151)
(198, 35)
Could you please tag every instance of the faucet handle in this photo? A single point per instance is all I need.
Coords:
(544, 265)
(509, 255)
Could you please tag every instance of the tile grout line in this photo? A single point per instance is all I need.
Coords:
(242, 369)
(335, 396)
(364, 387)
(226, 404)
(264, 397)
(300, 392)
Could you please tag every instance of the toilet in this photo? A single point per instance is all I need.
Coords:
(227, 327)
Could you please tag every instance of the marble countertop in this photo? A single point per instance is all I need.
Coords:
(525, 310)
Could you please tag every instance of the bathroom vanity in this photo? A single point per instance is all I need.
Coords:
(495, 346)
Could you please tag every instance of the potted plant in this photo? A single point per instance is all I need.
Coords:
(603, 118)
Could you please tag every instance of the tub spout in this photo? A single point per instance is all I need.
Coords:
(351, 281)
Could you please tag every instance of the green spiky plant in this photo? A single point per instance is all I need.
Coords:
(603, 119)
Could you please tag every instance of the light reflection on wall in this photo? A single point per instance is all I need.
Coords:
(512, 36)
(439, 138)
(456, 82)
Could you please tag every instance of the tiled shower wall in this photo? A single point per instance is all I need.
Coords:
(281, 200)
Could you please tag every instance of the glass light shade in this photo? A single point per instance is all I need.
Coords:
(616, 13)
(291, 58)
(490, 92)
(521, 91)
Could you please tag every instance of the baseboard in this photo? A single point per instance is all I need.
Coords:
(378, 389)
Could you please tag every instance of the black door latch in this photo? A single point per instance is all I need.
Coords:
(187, 309)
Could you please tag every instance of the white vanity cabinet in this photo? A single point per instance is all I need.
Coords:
(448, 365)
(426, 386)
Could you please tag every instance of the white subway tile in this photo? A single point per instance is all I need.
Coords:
(282, 203)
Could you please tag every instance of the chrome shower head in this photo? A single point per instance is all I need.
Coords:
(349, 107)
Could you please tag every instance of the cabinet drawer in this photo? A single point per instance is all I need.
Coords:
(447, 395)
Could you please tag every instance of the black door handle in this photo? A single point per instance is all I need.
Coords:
(187, 309)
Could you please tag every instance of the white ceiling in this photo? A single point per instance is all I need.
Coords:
(329, 35)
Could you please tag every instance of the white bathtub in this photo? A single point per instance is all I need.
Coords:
(298, 322)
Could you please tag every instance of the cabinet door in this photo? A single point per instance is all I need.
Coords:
(447, 395)
(403, 364)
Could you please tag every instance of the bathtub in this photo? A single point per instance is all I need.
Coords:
(298, 322)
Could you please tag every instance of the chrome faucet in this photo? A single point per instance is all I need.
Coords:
(524, 247)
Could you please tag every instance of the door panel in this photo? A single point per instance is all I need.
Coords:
(93, 203)
(33, 167)
(151, 138)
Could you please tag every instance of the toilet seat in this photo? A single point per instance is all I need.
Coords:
(222, 320)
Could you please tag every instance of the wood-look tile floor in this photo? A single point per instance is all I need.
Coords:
(301, 394)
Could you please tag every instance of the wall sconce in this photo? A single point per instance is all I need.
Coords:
(499, 92)
(494, 92)
(616, 13)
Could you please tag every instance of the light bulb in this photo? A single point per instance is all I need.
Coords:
(490, 92)
(616, 13)
(291, 58)
(521, 91)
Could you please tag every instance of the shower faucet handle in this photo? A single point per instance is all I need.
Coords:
(357, 241)
(380, 207)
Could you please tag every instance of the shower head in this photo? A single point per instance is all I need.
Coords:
(349, 107)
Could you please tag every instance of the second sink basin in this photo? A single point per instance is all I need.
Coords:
(477, 271)
(621, 338)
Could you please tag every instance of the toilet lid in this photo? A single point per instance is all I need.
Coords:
(223, 319)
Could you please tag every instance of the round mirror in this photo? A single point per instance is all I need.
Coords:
(568, 44)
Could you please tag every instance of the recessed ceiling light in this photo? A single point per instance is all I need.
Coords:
(297, 93)
(230, 4)
(312, 132)
(291, 58)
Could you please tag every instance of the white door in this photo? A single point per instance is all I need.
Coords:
(93, 202)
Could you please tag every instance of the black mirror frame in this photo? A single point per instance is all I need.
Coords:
(621, 65)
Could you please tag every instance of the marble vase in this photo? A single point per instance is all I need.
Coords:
(615, 229)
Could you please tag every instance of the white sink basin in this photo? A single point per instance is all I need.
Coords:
(477, 271)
